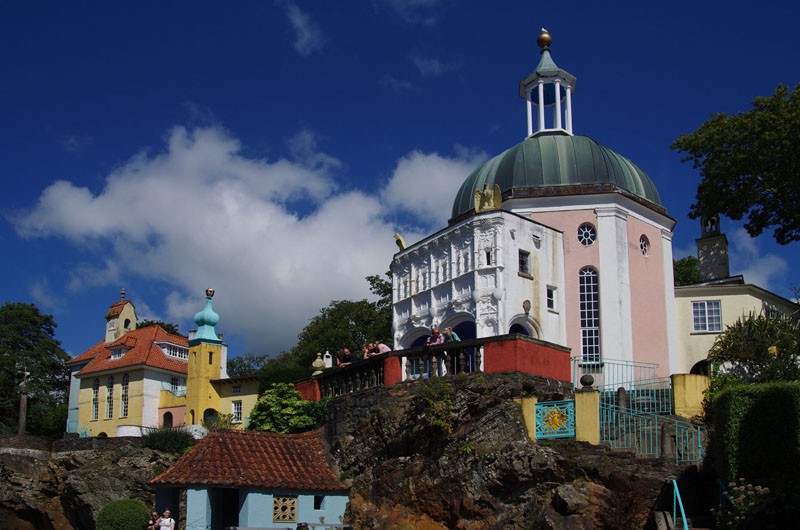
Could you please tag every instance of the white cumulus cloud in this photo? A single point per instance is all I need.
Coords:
(308, 36)
(758, 268)
(275, 238)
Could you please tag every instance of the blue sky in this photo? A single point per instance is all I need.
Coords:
(271, 149)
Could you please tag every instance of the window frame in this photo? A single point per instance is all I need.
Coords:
(589, 313)
(524, 263)
(236, 411)
(704, 316)
(110, 398)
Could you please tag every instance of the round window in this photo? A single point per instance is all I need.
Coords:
(587, 234)
(644, 245)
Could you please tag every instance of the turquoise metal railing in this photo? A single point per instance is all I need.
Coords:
(555, 419)
(646, 396)
(647, 434)
(612, 374)
(677, 503)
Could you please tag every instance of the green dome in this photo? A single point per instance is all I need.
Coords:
(556, 164)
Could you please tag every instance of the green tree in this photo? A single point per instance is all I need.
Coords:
(27, 344)
(759, 349)
(750, 164)
(343, 323)
(281, 409)
(169, 327)
(246, 364)
(686, 270)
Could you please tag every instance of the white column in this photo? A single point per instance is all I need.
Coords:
(557, 87)
(675, 365)
(541, 106)
(529, 105)
(616, 333)
(569, 110)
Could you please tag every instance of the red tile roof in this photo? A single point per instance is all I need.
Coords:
(250, 459)
(142, 351)
(116, 308)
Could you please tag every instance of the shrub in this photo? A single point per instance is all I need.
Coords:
(740, 505)
(123, 514)
(282, 409)
(168, 439)
(742, 416)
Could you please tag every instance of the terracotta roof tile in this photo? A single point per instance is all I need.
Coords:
(255, 460)
(116, 308)
(142, 351)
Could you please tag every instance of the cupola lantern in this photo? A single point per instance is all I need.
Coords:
(548, 87)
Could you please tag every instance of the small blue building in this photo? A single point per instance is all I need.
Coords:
(250, 479)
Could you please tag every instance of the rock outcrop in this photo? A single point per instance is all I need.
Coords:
(454, 454)
(66, 488)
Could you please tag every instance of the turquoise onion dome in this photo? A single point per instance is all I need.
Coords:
(557, 164)
(206, 320)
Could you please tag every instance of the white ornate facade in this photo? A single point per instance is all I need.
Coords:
(495, 269)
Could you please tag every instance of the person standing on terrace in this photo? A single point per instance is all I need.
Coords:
(435, 338)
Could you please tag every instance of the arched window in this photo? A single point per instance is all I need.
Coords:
(95, 399)
(590, 314)
(167, 420)
(123, 412)
(110, 398)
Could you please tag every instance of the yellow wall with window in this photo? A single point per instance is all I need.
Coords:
(247, 394)
(104, 424)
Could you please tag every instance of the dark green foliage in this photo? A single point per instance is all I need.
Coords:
(168, 439)
(123, 514)
(750, 165)
(757, 434)
(686, 270)
(169, 327)
(343, 323)
(718, 384)
(27, 343)
(246, 364)
(47, 420)
(282, 409)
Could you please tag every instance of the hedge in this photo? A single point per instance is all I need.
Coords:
(757, 434)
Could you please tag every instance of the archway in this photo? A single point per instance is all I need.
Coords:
(209, 417)
(167, 421)
(518, 329)
(701, 368)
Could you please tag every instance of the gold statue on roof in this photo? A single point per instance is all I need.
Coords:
(488, 199)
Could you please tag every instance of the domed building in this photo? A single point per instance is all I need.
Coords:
(559, 238)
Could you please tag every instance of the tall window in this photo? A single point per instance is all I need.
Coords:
(237, 412)
(706, 315)
(173, 385)
(551, 298)
(524, 262)
(110, 398)
(590, 314)
(123, 412)
(95, 399)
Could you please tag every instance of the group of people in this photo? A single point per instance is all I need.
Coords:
(440, 338)
(163, 522)
(371, 349)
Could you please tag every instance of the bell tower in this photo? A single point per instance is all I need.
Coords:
(205, 364)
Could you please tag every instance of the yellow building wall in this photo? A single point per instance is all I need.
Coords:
(205, 364)
(528, 405)
(735, 302)
(109, 425)
(248, 396)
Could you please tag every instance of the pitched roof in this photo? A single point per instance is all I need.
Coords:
(142, 350)
(252, 459)
(116, 308)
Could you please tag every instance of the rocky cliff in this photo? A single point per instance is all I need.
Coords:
(64, 487)
(454, 453)
(438, 454)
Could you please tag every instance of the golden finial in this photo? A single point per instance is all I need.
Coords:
(209, 293)
(544, 40)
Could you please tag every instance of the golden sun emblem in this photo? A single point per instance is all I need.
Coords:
(555, 419)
